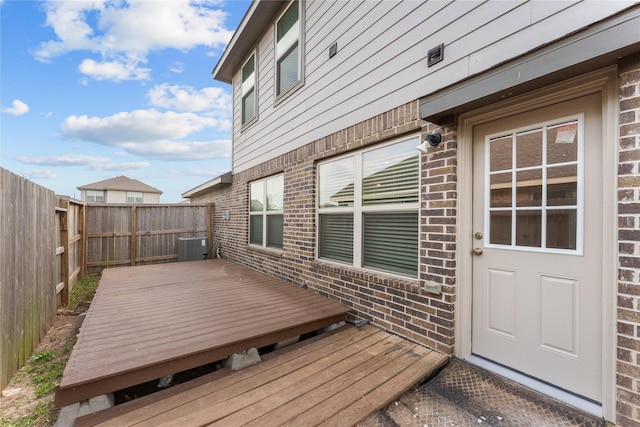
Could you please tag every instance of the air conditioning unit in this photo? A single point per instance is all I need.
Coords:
(192, 248)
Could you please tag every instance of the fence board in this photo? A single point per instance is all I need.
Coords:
(47, 244)
(28, 268)
(120, 235)
(70, 242)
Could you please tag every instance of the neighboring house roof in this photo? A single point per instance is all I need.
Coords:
(121, 183)
(224, 179)
(258, 18)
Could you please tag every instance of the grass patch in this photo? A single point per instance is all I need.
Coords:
(44, 414)
(83, 290)
(45, 367)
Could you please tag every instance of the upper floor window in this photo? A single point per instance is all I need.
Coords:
(266, 220)
(249, 90)
(95, 196)
(288, 59)
(368, 208)
(134, 197)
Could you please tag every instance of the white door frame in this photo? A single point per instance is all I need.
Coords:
(604, 81)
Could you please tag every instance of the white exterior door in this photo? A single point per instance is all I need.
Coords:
(538, 244)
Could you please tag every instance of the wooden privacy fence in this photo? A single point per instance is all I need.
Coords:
(119, 235)
(69, 246)
(47, 243)
(39, 262)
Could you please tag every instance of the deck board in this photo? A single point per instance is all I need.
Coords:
(336, 380)
(150, 321)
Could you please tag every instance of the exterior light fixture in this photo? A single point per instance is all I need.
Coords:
(430, 141)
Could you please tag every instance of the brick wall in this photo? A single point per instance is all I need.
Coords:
(438, 234)
(403, 306)
(628, 351)
(423, 310)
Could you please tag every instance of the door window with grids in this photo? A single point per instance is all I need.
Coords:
(368, 208)
(535, 187)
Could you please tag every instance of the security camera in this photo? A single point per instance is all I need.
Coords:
(431, 140)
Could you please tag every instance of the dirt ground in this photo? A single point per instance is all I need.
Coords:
(18, 398)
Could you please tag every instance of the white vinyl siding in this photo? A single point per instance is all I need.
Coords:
(368, 208)
(381, 60)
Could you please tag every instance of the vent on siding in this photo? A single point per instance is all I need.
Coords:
(435, 55)
(333, 49)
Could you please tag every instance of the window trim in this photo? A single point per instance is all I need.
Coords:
(358, 209)
(247, 87)
(94, 194)
(279, 97)
(264, 214)
(134, 197)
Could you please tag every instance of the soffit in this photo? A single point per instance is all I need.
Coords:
(256, 22)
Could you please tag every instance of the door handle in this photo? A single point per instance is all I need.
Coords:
(478, 251)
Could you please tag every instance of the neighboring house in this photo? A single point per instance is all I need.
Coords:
(120, 189)
(514, 242)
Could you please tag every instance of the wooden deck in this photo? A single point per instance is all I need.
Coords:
(337, 379)
(150, 321)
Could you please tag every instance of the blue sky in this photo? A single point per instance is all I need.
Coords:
(93, 89)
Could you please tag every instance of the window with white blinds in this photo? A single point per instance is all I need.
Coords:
(288, 68)
(266, 220)
(249, 90)
(368, 208)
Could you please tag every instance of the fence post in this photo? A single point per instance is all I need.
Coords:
(212, 246)
(82, 243)
(134, 232)
(64, 251)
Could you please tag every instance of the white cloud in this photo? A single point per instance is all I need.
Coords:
(68, 20)
(40, 174)
(63, 160)
(91, 162)
(150, 133)
(113, 70)
(18, 108)
(142, 26)
(123, 32)
(178, 150)
(135, 126)
(122, 166)
(177, 67)
(187, 98)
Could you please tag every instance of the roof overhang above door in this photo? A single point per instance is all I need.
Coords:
(597, 46)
